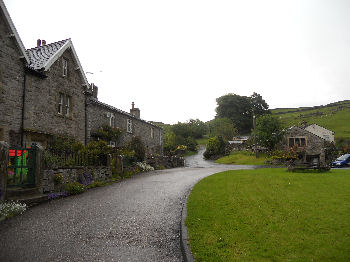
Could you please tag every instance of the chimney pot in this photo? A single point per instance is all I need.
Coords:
(38, 42)
(43, 42)
(132, 105)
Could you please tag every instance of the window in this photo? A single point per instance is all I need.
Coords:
(64, 104)
(60, 103)
(67, 106)
(152, 132)
(64, 67)
(112, 121)
(129, 125)
(298, 141)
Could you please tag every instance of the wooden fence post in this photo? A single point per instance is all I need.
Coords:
(4, 159)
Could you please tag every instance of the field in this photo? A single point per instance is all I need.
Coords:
(243, 158)
(270, 215)
(335, 117)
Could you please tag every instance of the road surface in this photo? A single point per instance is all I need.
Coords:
(137, 219)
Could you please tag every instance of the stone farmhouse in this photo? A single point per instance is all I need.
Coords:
(44, 92)
(310, 147)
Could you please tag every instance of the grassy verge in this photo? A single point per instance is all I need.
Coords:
(243, 158)
(270, 215)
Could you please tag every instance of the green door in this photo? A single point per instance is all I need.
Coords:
(21, 167)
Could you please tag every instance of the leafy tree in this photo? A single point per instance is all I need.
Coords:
(269, 131)
(240, 109)
(197, 128)
(222, 127)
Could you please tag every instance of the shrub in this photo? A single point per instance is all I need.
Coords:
(138, 147)
(11, 208)
(58, 178)
(57, 195)
(215, 148)
(74, 188)
(144, 166)
(107, 133)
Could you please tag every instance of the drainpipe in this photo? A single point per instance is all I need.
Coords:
(86, 119)
(23, 108)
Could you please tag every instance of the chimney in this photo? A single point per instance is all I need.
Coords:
(43, 42)
(94, 90)
(134, 111)
(38, 42)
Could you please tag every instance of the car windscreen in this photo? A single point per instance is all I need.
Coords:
(343, 157)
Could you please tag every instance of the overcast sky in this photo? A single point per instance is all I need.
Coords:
(174, 58)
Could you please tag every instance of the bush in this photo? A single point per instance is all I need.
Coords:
(215, 148)
(74, 188)
(144, 166)
(10, 209)
(138, 147)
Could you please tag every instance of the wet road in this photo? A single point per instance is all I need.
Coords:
(137, 219)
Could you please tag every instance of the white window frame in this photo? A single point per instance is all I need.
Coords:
(64, 67)
(67, 105)
(112, 121)
(129, 125)
(60, 103)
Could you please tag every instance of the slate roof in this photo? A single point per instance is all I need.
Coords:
(112, 108)
(40, 56)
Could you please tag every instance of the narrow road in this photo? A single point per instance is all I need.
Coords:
(137, 219)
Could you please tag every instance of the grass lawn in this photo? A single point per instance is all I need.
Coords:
(243, 158)
(270, 215)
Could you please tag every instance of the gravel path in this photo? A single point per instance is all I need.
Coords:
(137, 219)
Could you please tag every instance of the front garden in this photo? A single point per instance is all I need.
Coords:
(270, 215)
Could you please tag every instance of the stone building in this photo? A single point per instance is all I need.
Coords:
(55, 95)
(310, 147)
(13, 59)
(44, 92)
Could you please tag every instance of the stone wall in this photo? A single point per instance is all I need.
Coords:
(11, 86)
(73, 175)
(98, 116)
(42, 101)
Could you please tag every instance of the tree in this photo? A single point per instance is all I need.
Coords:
(240, 109)
(222, 127)
(269, 131)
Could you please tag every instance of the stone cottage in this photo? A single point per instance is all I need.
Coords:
(44, 92)
(310, 147)
(13, 59)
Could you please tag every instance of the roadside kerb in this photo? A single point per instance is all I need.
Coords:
(185, 249)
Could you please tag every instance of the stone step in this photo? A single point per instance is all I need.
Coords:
(21, 192)
(30, 200)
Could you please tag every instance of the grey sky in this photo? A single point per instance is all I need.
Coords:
(174, 58)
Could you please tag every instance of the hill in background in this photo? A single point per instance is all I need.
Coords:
(334, 116)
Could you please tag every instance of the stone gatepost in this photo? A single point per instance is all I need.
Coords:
(4, 159)
(39, 167)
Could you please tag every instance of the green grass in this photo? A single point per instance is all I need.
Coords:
(243, 158)
(335, 117)
(202, 141)
(270, 215)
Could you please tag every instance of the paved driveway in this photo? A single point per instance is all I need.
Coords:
(137, 219)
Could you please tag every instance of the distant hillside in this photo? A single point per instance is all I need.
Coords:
(334, 116)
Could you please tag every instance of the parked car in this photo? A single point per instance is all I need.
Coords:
(341, 161)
